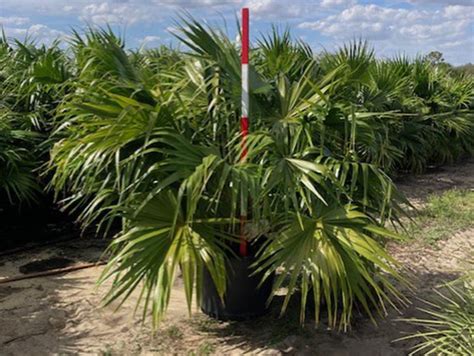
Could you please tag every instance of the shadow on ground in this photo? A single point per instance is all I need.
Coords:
(61, 314)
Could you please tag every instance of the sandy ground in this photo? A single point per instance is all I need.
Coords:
(62, 315)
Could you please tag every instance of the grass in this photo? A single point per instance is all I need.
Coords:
(174, 333)
(444, 215)
(205, 349)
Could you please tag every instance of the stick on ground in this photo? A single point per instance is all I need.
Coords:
(52, 272)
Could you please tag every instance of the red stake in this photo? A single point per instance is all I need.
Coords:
(244, 121)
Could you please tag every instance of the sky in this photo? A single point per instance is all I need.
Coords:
(411, 27)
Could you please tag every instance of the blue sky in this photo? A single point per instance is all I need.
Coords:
(405, 26)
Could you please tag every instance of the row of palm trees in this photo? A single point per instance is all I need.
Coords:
(147, 143)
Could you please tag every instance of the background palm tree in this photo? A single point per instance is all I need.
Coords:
(32, 83)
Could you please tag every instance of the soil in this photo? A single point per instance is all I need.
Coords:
(437, 180)
(61, 314)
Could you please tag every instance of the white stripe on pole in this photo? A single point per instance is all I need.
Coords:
(245, 90)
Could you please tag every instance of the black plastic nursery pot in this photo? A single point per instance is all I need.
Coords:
(244, 299)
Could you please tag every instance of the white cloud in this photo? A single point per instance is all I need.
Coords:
(44, 32)
(13, 21)
(279, 9)
(336, 3)
(58, 7)
(35, 7)
(37, 32)
(459, 44)
(148, 40)
(68, 8)
(294, 8)
(442, 2)
(194, 3)
(423, 25)
(116, 13)
(458, 12)
(411, 30)
(381, 23)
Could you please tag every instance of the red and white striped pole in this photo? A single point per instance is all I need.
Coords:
(244, 121)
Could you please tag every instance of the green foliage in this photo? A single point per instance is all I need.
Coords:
(32, 82)
(17, 163)
(151, 140)
(162, 154)
(205, 348)
(448, 328)
(333, 255)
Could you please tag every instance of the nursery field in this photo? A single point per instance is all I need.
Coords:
(60, 314)
(335, 187)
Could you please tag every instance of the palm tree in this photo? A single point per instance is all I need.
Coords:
(31, 85)
(148, 142)
(447, 327)
(155, 143)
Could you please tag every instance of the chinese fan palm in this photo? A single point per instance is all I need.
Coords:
(17, 163)
(32, 81)
(162, 153)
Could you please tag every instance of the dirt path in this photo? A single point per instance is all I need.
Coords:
(61, 314)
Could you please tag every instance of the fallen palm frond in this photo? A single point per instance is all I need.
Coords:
(448, 328)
